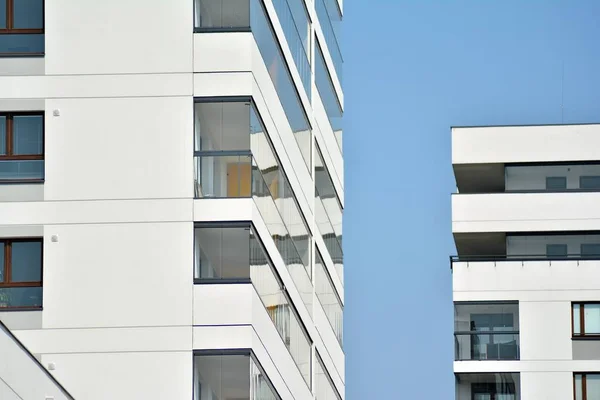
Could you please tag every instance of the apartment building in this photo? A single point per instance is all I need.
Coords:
(171, 196)
(526, 280)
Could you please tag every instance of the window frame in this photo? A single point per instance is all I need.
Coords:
(583, 383)
(7, 270)
(10, 20)
(582, 335)
(9, 156)
(10, 30)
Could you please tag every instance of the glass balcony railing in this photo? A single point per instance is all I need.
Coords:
(330, 20)
(552, 177)
(233, 253)
(223, 174)
(486, 346)
(488, 386)
(251, 15)
(296, 27)
(231, 375)
(235, 174)
(329, 299)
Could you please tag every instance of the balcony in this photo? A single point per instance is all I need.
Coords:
(233, 253)
(486, 331)
(234, 158)
(230, 375)
(488, 386)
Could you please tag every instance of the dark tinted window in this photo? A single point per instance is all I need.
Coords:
(556, 183)
(589, 182)
(556, 250)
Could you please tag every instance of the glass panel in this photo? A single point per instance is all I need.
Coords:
(324, 388)
(589, 182)
(578, 387)
(222, 377)
(26, 263)
(556, 183)
(28, 14)
(592, 386)
(536, 246)
(300, 348)
(221, 14)
(296, 28)
(590, 249)
(17, 170)
(488, 346)
(552, 177)
(2, 134)
(328, 213)
(497, 386)
(222, 126)
(282, 80)
(591, 319)
(223, 176)
(260, 389)
(329, 16)
(556, 250)
(222, 253)
(492, 316)
(576, 319)
(328, 298)
(22, 44)
(28, 134)
(3, 20)
(20, 297)
(1, 262)
(328, 95)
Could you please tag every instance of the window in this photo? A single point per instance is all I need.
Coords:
(22, 146)
(590, 249)
(230, 374)
(21, 27)
(556, 250)
(21, 274)
(589, 182)
(556, 183)
(587, 386)
(586, 319)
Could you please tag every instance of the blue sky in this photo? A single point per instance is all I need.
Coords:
(413, 69)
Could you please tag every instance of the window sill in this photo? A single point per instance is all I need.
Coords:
(26, 309)
(214, 30)
(22, 55)
(587, 337)
(218, 281)
(21, 181)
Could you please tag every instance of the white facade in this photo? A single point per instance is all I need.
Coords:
(525, 223)
(126, 312)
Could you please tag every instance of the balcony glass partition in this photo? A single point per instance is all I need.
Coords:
(324, 387)
(328, 213)
(486, 331)
(294, 20)
(330, 19)
(553, 246)
(488, 386)
(234, 157)
(553, 178)
(234, 253)
(328, 95)
(230, 376)
(231, 15)
(328, 298)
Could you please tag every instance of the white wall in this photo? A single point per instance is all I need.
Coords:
(508, 144)
(118, 37)
(525, 212)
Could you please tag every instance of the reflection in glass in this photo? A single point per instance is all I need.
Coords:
(553, 246)
(26, 261)
(28, 14)
(22, 44)
(28, 134)
(328, 95)
(221, 14)
(481, 386)
(33, 170)
(230, 376)
(25, 297)
(324, 388)
(330, 20)
(557, 177)
(328, 298)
